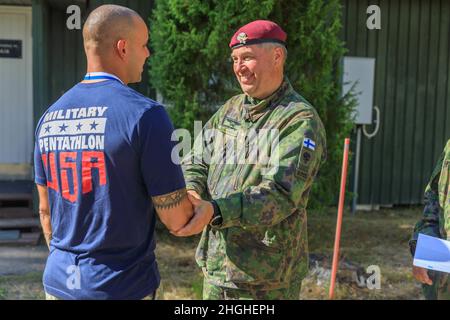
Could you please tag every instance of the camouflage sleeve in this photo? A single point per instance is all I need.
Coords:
(429, 223)
(195, 168)
(300, 148)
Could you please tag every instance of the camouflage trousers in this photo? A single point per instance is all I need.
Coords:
(213, 292)
(440, 289)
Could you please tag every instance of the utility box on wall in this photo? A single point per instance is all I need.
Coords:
(360, 72)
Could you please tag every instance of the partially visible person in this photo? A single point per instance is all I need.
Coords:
(435, 222)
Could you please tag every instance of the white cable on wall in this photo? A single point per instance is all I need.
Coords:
(377, 124)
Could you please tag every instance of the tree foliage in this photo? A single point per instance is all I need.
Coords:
(191, 66)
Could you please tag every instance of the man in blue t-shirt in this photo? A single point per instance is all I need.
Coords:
(102, 163)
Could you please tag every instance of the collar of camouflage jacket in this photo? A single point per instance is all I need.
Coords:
(254, 109)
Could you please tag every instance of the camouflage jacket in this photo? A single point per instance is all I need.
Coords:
(436, 214)
(262, 242)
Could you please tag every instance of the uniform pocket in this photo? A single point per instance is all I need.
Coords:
(223, 166)
(251, 260)
(216, 250)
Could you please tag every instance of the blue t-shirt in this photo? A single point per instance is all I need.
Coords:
(103, 150)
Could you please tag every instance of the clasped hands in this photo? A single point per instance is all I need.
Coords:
(203, 213)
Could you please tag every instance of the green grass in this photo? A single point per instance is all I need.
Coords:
(197, 288)
(368, 238)
(3, 293)
(22, 287)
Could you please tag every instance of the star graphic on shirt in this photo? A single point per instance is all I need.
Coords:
(94, 125)
(47, 128)
(79, 125)
(63, 127)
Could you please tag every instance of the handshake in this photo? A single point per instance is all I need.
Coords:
(203, 213)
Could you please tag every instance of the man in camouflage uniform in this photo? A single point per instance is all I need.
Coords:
(436, 223)
(254, 240)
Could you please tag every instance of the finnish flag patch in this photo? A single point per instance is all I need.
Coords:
(308, 143)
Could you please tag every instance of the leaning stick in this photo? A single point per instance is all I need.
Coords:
(339, 218)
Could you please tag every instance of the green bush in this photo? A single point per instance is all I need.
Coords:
(192, 69)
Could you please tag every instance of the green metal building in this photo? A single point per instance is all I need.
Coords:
(412, 91)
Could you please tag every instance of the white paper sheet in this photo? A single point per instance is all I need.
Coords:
(432, 253)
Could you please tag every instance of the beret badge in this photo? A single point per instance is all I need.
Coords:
(242, 37)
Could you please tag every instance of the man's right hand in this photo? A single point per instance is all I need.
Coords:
(421, 275)
(204, 212)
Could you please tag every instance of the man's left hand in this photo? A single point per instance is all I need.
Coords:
(204, 212)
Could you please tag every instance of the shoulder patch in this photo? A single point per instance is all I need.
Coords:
(305, 161)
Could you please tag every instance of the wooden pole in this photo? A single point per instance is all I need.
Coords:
(339, 218)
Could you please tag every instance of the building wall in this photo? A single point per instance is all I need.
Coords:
(412, 90)
(16, 99)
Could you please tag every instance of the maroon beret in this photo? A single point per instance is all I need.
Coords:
(259, 31)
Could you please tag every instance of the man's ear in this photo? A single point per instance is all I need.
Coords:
(121, 47)
(278, 55)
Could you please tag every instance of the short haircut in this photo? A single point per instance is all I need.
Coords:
(273, 45)
(107, 24)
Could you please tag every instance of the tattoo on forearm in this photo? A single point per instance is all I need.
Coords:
(169, 200)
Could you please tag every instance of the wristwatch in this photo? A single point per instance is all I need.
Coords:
(216, 220)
